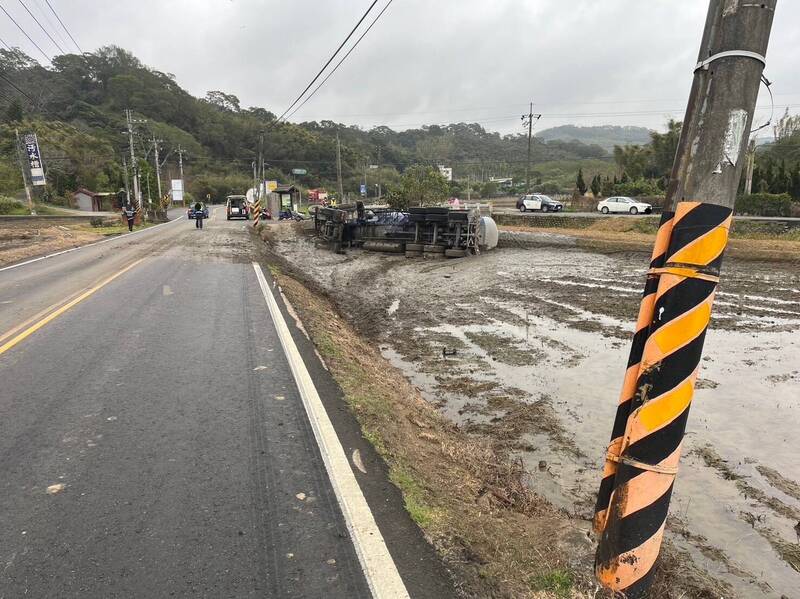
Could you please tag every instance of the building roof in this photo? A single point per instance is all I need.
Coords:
(93, 194)
(285, 189)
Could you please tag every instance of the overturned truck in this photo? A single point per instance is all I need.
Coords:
(420, 232)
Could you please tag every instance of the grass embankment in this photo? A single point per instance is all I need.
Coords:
(749, 240)
(10, 207)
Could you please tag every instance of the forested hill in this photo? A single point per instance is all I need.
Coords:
(77, 108)
(605, 136)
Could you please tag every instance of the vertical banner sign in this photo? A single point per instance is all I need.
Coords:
(34, 159)
(177, 190)
(363, 190)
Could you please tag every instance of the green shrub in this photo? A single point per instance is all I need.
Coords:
(764, 204)
(96, 221)
(10, 206)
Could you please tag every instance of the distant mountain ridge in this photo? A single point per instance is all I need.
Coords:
(605, 136)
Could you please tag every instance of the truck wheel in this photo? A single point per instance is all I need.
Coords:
(413, 254)
(415, 247)
(455, 253)
(434, 249)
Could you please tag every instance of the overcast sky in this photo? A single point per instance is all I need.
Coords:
(623, 62)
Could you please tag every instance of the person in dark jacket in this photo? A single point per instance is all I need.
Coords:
(130, 214)
(198, 215)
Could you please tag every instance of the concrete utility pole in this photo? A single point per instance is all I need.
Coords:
(527, 119)
(127, 188)
(180, 160)
(680, 293)
(137, 193)
(339, 167)
(158, 165)
(24, 175)
(261, 164)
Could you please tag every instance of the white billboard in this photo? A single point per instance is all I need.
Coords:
(177, 190)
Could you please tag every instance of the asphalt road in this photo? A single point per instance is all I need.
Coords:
(153, 438)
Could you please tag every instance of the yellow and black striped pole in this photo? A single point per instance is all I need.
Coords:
(256, 212)
(650, 448)
(632, 372)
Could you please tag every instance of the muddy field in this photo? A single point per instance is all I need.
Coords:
(528, 347)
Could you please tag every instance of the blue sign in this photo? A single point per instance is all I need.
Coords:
(363, 189)
(34, 159)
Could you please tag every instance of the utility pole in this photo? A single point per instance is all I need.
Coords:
(136, 187)
(261, 164)
(255, 181)
(751, 164)
(158, 166)
(643, 461)
(127, 188)
(180, 160)
(527, 119)
(339, 167)
(24, 175)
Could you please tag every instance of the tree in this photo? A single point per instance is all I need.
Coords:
(596, 186)
(580, 184)
(14, 111)
(420, 185)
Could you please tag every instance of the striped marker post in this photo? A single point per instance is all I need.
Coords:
(651, 445)
(256, 212)
(632, 373)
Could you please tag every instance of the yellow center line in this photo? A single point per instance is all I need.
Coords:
(53, 315)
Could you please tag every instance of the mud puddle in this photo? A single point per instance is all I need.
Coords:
(528, 347)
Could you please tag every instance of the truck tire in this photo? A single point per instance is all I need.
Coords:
(415, 247)
(455, 253)
(434, 249)
(413, 254)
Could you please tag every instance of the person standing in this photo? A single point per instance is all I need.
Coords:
(198, 215)
(130, 215)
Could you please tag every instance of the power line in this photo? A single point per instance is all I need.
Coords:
(64, 26)
(26, 34)
(330, 60)
(5, 44)
(60, 49)
(50, 23)
(328, 76)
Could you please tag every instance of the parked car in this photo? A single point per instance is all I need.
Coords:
(190, 214)
(237, 207)
(536, 201)
(623, 204)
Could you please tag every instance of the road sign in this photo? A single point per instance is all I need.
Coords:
(34, 158)
(363, 190)
(299, 171)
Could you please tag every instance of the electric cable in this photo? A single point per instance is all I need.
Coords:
(47, 33)
(64, 26)
(25, 33)
(328, 76)
(330, 60)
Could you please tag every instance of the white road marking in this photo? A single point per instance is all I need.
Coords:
(379, 568)
(88, 245)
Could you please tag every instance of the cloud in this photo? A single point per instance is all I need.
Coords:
(580, 61)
